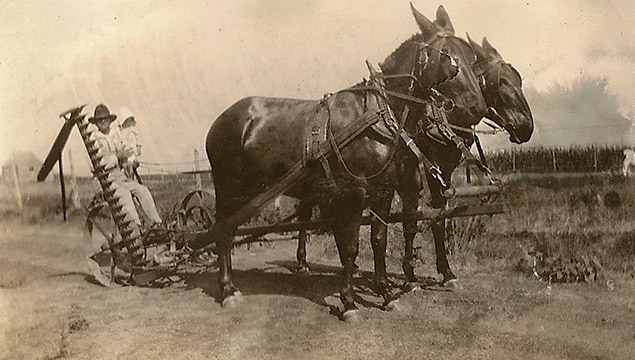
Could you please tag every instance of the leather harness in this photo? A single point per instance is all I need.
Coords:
(319, 133)
(436, 126)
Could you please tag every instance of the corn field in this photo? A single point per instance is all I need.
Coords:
(552, 160)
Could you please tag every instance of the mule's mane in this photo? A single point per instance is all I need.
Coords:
(393, 62)
(389, 66)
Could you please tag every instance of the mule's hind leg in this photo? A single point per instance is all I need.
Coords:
(227, 203)
(346, 204)
(230, 295)
(304, 214)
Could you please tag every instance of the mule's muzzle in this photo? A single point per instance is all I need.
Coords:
(519, 126)
(511, 130)
(523, 131)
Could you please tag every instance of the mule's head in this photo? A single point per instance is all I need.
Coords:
(502, 88)
(447, 68)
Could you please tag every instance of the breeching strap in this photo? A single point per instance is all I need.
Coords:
(297, 173)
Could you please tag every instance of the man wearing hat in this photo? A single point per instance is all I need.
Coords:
(112, 142)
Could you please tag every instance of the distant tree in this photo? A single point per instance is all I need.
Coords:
(583, 112)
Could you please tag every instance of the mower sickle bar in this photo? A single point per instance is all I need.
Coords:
(104, 171)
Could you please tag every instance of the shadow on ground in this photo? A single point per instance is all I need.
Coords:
(321, 286)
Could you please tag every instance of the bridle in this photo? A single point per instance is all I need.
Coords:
(433, 99)
(421, 62)
(481, 69)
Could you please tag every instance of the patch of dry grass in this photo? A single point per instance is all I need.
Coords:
(561, 217)
(555, 215)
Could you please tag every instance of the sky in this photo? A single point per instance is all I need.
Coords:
(177, 65)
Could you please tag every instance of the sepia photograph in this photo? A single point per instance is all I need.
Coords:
(312, 179)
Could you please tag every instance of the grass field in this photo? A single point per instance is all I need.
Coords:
(575, 159)
(554, 216)
(50, 307)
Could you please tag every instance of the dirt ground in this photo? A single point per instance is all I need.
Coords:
(51, 309)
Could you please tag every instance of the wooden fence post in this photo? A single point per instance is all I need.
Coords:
(199, 184)
(595, 159)
(62, 185)
(75, 200)
(513, 160)
(16, 182)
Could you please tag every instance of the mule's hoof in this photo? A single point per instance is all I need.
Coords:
(302, 270)
(351, 316)
(452, 284)
(411, 287)
(357, 272)
(393, 306)
(231, 302)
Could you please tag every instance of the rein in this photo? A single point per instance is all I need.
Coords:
(441, 104)
(437, 105)
(483, 67)
(482, 70)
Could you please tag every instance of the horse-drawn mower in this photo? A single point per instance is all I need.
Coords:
(403, 130)
(141, 255)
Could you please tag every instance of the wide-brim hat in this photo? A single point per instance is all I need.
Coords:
(102, 113)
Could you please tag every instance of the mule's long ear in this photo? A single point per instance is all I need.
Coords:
(490, 49)
(426, 26)
(443, 20)
(478, 49)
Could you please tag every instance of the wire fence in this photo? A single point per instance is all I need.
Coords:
(557, 159)
(574, 159)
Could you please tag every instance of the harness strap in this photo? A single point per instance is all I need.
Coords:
(321, 155)
(495, 130)
(474, 131)
(484, 173)
(484, 66)
(479, 148)
(327, 169)
(423, 163)
(296, 174)
(436, 114)
(410, 98)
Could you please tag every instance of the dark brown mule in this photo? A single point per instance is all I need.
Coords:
(502, 89)
(255, 142)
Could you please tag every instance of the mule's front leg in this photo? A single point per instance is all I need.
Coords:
(443, 266)
(304, 214)
(439, 233)
(378, 239)
(230, 295)
(347, 239)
